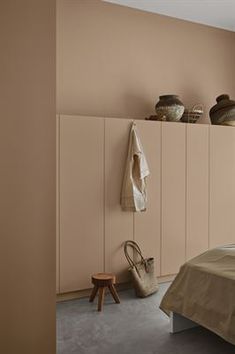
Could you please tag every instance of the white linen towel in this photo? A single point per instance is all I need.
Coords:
(134, 194)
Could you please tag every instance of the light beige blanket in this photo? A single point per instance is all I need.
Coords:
(204, 291)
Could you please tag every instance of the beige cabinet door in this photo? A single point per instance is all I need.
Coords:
(197, 204)
(222, 185)
(147, 225)
(118, 223)
(81, 197)
(173, 197)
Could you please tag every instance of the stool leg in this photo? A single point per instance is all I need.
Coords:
(93, 293)
(101, 298)
(114, 293)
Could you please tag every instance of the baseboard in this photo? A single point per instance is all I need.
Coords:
(166, 278)
(120, 287)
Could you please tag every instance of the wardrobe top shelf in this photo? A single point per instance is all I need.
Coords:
(73, 116)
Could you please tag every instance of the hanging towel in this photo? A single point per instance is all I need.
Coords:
(134, 194)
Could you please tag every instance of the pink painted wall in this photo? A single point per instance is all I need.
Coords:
(27, 170)
(115, 61)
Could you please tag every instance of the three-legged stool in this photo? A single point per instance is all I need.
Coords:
(102, 281)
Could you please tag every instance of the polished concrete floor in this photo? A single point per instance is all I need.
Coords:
(135, 326)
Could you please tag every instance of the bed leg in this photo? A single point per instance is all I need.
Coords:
(179, 323)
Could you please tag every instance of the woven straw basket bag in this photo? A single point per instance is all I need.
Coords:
(142, 272)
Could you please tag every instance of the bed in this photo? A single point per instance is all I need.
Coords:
(203, 293)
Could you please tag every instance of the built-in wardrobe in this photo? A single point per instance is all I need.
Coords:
(191, 195)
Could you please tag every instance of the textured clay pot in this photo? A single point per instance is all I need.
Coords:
(224, 111)
(169, 108)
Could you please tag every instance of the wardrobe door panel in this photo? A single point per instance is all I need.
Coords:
(222, 185)
(81, 201)
(173, 197)
(147, 225)
(197, 189)
(118, 223)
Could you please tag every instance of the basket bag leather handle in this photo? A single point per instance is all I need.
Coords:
(136, 248)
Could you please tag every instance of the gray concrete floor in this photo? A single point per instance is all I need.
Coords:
(135, 326)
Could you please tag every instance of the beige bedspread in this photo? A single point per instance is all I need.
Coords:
(204, 291)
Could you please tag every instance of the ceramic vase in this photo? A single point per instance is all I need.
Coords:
(169, 108)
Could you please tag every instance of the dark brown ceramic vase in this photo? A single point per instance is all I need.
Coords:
(169, 108)
(224, 111)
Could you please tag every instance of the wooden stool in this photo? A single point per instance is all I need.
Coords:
(102, 281)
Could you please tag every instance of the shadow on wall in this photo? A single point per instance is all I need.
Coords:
(137, 106)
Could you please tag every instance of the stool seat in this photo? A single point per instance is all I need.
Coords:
(103, 278)
(102, 281)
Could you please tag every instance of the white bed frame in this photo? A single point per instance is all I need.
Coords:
(179, 323)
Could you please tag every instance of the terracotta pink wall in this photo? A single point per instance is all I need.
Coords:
(27, 187)
(116, 61)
